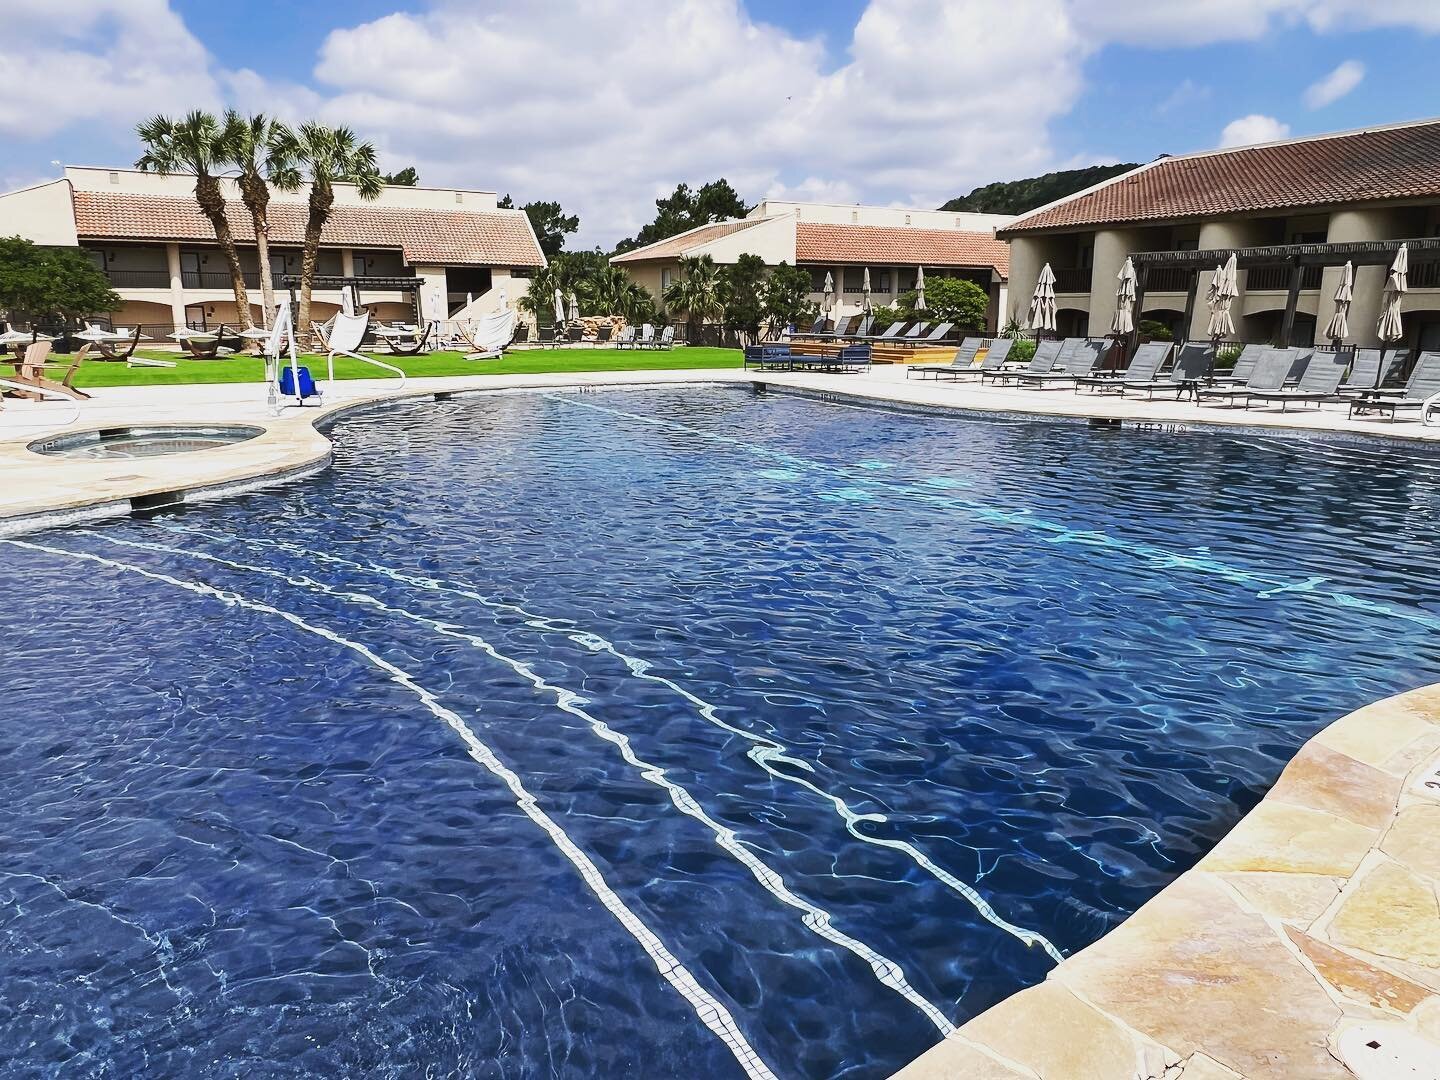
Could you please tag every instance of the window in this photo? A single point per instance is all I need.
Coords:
(665, 279)
(854, 217)
(817, 279)
(459, 196)
(114, 178)
(907, 219)
(854, 279)
(880, 279)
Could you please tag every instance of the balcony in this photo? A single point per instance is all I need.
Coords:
(1423, 275)
(1072, 279)
(139, 279)
(1169, 279)
(210, 279)
(1277, 278)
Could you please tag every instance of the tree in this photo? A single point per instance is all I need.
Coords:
(742, 291)
(323, 157)
(949, 300)
(1021, 196)
(685, 209)
(697, 292)
(196, 144)
(550, 222)
(612, 291)
(787, 297)
(406, 177)
(51, 282)
(255, 145)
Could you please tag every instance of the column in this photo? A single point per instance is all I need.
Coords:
(1352, 226)
(347, 262)
(1112, 248)
(1224, 236)
(177, 285)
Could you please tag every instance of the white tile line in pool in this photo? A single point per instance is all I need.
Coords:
(710, 1011)
(814, 918)
(764, 750)
(1023, 519)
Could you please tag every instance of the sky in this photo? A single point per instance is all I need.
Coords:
(608, 104)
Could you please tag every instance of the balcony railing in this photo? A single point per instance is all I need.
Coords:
(1423, 275)
(139, 279)
(1277, 278)
(211, 279)
(1072, 279)
(1168, 279)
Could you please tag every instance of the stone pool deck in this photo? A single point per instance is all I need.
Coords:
(1318, 914)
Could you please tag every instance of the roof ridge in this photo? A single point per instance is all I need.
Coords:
(1322, 136)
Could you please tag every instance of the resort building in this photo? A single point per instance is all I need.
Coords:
(1293, 212)
(844, 241)
(147, 234)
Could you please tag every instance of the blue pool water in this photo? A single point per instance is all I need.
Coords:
(688, 732)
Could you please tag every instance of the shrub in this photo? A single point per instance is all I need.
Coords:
(1155, 331)
(1023, 349)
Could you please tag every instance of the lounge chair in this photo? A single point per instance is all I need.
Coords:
(1046, 355)
(1318, 383)
(936, 336)
(890, 333)
(522, 333)
(1076, 361)
(1191, 363)
(602, 334)
(665, 340)
(1299, 363)
(29, 372)
(773, 355)
(854, 329)
(645, 338)
(1148, 359)
(963, 360)
(574, 335)
(1269, 373)
(1244, 365)
(821, 327)
(1421, 392)
(626, 338)
(1365, 376)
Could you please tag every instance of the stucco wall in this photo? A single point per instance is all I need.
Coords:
(41, 214)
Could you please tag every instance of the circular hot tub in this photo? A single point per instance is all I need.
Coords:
(142, 442)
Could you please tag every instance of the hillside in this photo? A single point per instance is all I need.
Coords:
(1019, 196)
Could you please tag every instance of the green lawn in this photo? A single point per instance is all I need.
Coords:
(236, 369)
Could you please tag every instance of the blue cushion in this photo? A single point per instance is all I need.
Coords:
(307, 384)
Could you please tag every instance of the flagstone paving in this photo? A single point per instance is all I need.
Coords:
(1320, 911)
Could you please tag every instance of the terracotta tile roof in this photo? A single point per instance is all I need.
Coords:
(675, 246)
(445, 237)
(1395, 163)
(899, 245)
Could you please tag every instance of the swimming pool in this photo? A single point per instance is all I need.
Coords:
(678, 731)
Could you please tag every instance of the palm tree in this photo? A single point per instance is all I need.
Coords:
(323, 157)
(195, 144)
(612, 291)
(697, 291)
(255, 145)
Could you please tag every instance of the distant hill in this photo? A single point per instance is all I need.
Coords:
(1020, 196)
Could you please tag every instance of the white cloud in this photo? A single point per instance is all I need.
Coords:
(1254, 128)
(1336, 85)
(928, 99)
(101, 62)
(1187, 92)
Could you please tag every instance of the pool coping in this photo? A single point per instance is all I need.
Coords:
(1251, 964)
(1317, 914)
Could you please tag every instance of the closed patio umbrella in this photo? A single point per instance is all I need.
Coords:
(828, 303)
(919, 288)
(1124, 321)
(574, 307)
(559, 307)
(1389, 327)
(865, 293)
(1224, 287)
(1338, 328)
(1042, 303)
